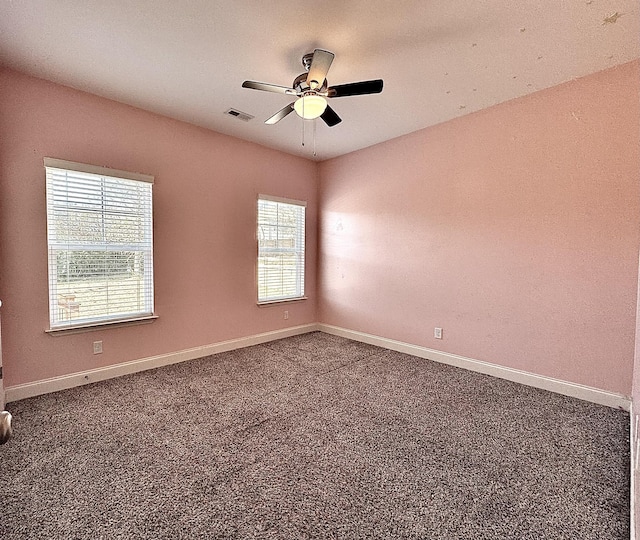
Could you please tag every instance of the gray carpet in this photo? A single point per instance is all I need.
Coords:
(313, 437)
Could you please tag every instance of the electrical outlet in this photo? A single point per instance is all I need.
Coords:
(437, 333)
(286, 315)
(97, 347)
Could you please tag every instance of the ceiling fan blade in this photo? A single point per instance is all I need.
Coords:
(330, 117)
(355, 89)
(279, 115)
(268, 87)
(319, 67)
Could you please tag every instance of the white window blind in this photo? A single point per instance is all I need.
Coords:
(100, 239)
(281, 231)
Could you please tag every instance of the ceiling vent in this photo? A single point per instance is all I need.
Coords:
(239, 114)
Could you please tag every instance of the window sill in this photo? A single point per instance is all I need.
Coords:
(283, 301)
(90, 327)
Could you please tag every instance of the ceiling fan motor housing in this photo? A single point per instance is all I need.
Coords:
(300, 85)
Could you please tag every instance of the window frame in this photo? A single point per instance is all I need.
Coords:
(301, 272)
(145, 247)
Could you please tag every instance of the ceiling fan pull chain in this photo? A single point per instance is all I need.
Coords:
(303, 122)
(314, 137)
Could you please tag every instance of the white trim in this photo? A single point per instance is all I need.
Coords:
(46, 386)
(268, 222)
(281, 301)
(100, 325)
(587, 393)
(55, 163)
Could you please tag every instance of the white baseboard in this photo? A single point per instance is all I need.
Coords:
(45, 386)
(587, 393)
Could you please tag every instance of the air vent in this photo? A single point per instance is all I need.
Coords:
(239, 115)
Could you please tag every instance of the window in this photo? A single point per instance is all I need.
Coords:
(99, 231)
(280, 249)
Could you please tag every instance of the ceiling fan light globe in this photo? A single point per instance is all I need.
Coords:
(310, 107)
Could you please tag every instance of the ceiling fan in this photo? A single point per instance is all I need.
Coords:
(312, 89)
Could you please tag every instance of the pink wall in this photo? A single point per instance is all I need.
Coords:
(204, 197)
(516, 229)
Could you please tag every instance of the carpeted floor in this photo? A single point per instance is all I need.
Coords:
(313, 437)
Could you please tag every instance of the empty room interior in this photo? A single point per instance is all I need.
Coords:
(319, 269)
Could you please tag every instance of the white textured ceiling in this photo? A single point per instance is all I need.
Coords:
(439, 59)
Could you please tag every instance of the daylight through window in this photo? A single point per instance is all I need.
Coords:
(99, 230)
(281, 231)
